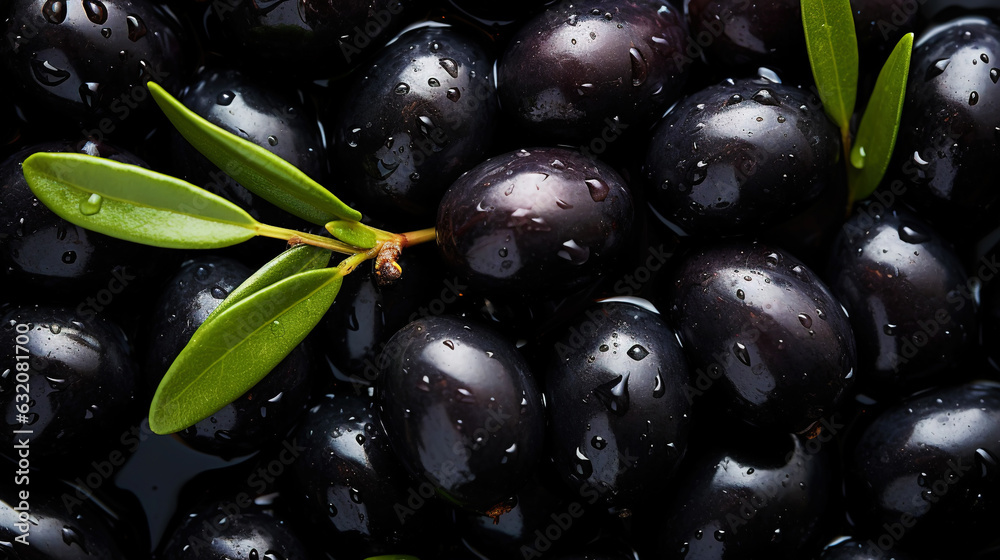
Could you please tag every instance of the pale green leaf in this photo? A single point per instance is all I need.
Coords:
(833, 55)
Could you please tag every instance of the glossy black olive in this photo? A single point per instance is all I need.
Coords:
(78, 373)
(422, 114)
(258, 417)
(597, 68)
(537, 221)
(462, 411)
(856, 549)
(908, 298)
(618, 413)
(926, 473)
(745, 32)
(764, 329)
(88, 61)
(739, 155)
(228, 530)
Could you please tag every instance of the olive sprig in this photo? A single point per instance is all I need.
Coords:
(833, 55)
(267, 316)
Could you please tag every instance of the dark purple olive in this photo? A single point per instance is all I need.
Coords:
(309, 39)
(41, 252)
(739, 155)
(879, 24)
(462, 411)
(908, 297)
(855, 549)
(350, 480)
(258, 417)
(618, 414)
(580, 70)
(89, 61)
(926, 472)
(263, 113)
(764, 329)
(417, 118)
(746, 32)
(68, 377)
(228, 529)
(539, 221)
(949, 139)
(758, 497)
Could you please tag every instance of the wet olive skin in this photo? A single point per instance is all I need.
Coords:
(259, 416)
(41, 251)
(275, 119)
(855, 549)
(215, 532)
(417, 118)
(745, 32)
(930, 464)
(902, 286)
(461, 410)
(618, 414)
(310, 39)
(348, 476)
(88, 81)
(739, 155)
(582, 68)
(948, 138)
(761, 497)
(82, 381)
(538, 221)
(765, 330)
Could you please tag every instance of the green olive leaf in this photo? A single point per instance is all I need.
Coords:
(301, 258)
(257, 169)
(833, 54)
(134, 203)
(354, 233)
(879, 126)
(228, 355)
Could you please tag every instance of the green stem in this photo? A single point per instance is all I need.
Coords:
(293, 236)
(412, 238)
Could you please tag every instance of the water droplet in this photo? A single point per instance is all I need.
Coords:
(96, 11)
(734, 99)
(598, 442)
(772, 260)
(889, 329)
(781, 119)
(574, 253)
(433, 82)
(219, 293)
(720, 535)
(136, 27)
(637, 352)
(806, 320)
(502, 252)
(765, 97)
(106, 32)
(401, 88)
(272, 140)
(90, 94)
(987, 461)
(54, 11)
(985, 58)
(858, 157)
(360, 438)
(604, 348)
(614, 394)
(741, 294)
(450, 66)
(465, 395)
(425, 124)
(71, 536)
(355, 495)
(598, 189)
(658, 387)
(639, 67)
(741, 353)
(92, 205)
(435, 46)
(449, 344)
(201, 274)
(584, 468)
(910, 235)
(768, 75)
(454, 94)
(47, 74)
(936, 69)
(558, 164)
(973, 98)
(994, 74)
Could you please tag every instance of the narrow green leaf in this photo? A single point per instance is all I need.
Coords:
(135, 204)
(301, 258)
(257, 169)
(833, 55)
(880, 124)
(355, 233)
(228, 355)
